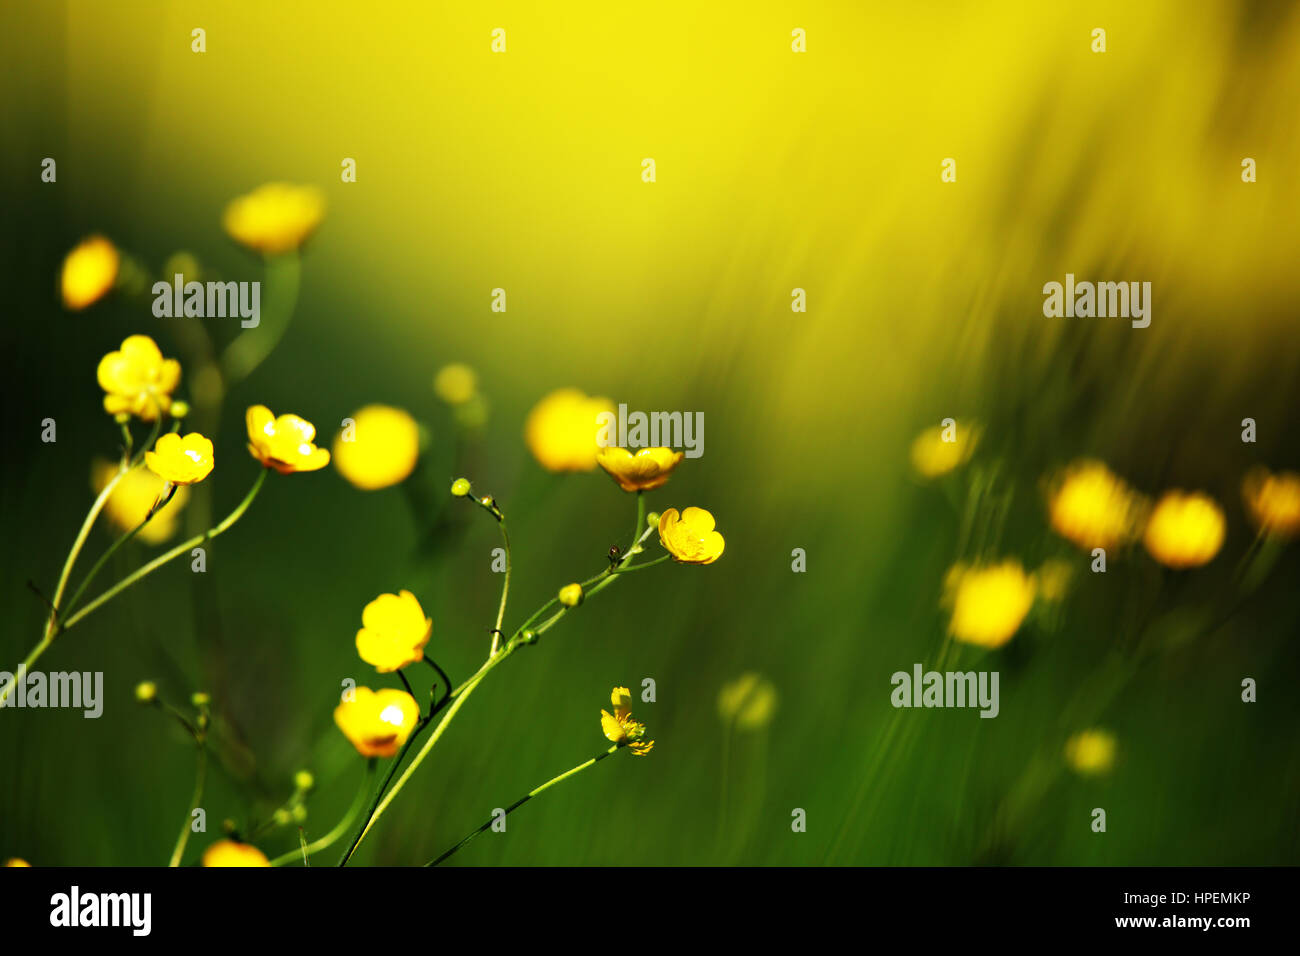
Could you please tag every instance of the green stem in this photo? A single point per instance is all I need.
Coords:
(528, 796)
(253, 345)
(505, 591)
(199, 779)
(175, 552)
(329, 839)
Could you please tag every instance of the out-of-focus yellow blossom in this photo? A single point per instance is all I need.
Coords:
(137, 379)
(1093, 508)
(561, 430)
(1053, 579)
(932, 456)
(1185, 530)
(133, 498)
(689, 537)
(647, 468)
(1090, 752)
(455, 384)
(377, 722)
(146, 691)
(1273, 501)
(381, 449)
(394, 631)
(182, 461)
(989, 602)
(233, 853)
(89, 271)
(748, 702)
(283, 443)
(621, 728)
(275, 218)
(16, 862)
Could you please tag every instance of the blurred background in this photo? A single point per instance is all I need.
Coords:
(774, 171)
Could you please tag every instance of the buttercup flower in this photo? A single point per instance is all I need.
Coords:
(1185, 530)
(134, 497)
(16, 862)
(377, 722)
(988, 602)
(689, 537)
(932, 456)
(283, 443)
(648, 468)
(1090, 506)
(138, 380)
(621, 728)
(380, 449)
(275, 218)
(182, 461)
(394, 631)
(1273, 501)
(89, 271)
(455, 384)
(561, 430)
(1090, 752)
(232, 853)
(748, 702)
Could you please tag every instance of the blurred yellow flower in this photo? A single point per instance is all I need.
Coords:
(275, 218)
(1090, 752)
(283, 443)
(749, 702)
(561, 430)
(16, 862)
(690, 537)
(621, 728)
(1093, 508)
(377, 722)
(233, 853)
(137, 379)
(647, 468)
(455, 384)
(989, 602)
(379, 449)
(1273, 501)
(133, 498)
(89, 272)
(394, 631)
(932, 456)
(1185, 530)
(182, 461)
(1053, 579)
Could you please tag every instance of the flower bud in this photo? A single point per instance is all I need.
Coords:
(652, 519)
(303, 780)
(146, 691)
(179, 409)
(460, 487)
(571, 595)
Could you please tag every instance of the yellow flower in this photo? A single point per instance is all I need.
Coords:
(283, 443)
(648, 468)
(561, 430)
(1185, 530)
(455, 384)
(1090, 752)
(133, 498)
(571, 595)
(381, 448)
(182, 461)
(621, 728)
(690, 537)
(394, 631)
(932, 456)
(989, 602)
(1273, 501)
(1090, 506)
(16, 862)
(377, 722)
(749, 701)
(232, 853)
(138, 380)
(274, 218)
(1053, 579)
(89, 272)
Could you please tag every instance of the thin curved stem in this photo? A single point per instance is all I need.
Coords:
(340, 828)
(253, 345)
(112, 549)
(199, 778)
(526, 797)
